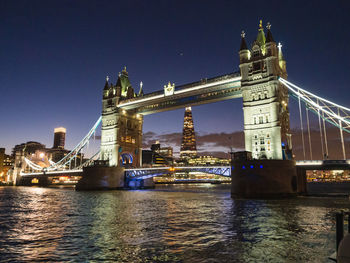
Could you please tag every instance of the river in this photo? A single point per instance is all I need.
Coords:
(172, 223)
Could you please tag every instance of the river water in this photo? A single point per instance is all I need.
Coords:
(177, 223)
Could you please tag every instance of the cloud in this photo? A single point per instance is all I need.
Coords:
(219, 144)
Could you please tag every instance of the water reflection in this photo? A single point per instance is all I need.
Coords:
(169, 224)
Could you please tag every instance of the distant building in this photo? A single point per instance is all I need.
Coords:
(40, 155)
(157, 156)
(59, 138)
(2, 156)
(155, 147)
(21, 151)
(188, 145)
(166, 152)
(6, 163)
(207, 160)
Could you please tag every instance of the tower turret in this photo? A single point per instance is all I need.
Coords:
(244, 52)
(281, 60)
(260, 39)
(124, 84)
(271, 49)
(269, 37)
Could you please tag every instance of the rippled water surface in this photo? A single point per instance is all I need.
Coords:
(193, 223)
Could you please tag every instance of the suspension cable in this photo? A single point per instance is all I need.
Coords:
(342, 138)
(308, 129)
(319, 125)
(302, 129)
(310, 99)
(325, 135)
(77, 148)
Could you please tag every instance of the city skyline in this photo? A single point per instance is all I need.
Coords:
(55, 77)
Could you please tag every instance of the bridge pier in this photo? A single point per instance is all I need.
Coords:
(132, 183)
(40, 180)
(102, 177)
(266, 179)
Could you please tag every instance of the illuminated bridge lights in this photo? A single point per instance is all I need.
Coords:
(331, 112)
(145, 173)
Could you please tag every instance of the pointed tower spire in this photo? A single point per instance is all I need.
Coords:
(243, 43)
(269, 37)
(141, 90)
(281, 60)
(106, 84)
(261, 35)
(280, 54)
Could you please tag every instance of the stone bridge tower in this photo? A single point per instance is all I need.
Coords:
(121, 133)
(265, 100)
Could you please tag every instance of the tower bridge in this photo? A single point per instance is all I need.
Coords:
(262, 85)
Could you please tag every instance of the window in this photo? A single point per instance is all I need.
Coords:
(262, 141)
(261, 119)
(262, 149)
(256, 66)
(267, 118)
(254, 120)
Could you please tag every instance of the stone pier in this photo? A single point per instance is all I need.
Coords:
(109, 178)
(266, 179)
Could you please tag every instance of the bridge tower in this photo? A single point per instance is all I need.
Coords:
(121, 132)
(265, 100)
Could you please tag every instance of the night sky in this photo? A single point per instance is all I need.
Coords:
(55, 56)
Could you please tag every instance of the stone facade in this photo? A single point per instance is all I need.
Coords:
(121, 132)
(265, 100)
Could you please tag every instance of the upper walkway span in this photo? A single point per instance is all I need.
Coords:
(200, 92)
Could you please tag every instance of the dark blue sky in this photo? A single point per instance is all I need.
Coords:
(55, 55)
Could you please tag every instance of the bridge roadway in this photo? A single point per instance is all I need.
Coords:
(144, 173)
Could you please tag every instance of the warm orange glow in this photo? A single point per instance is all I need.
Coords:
(63, 178)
